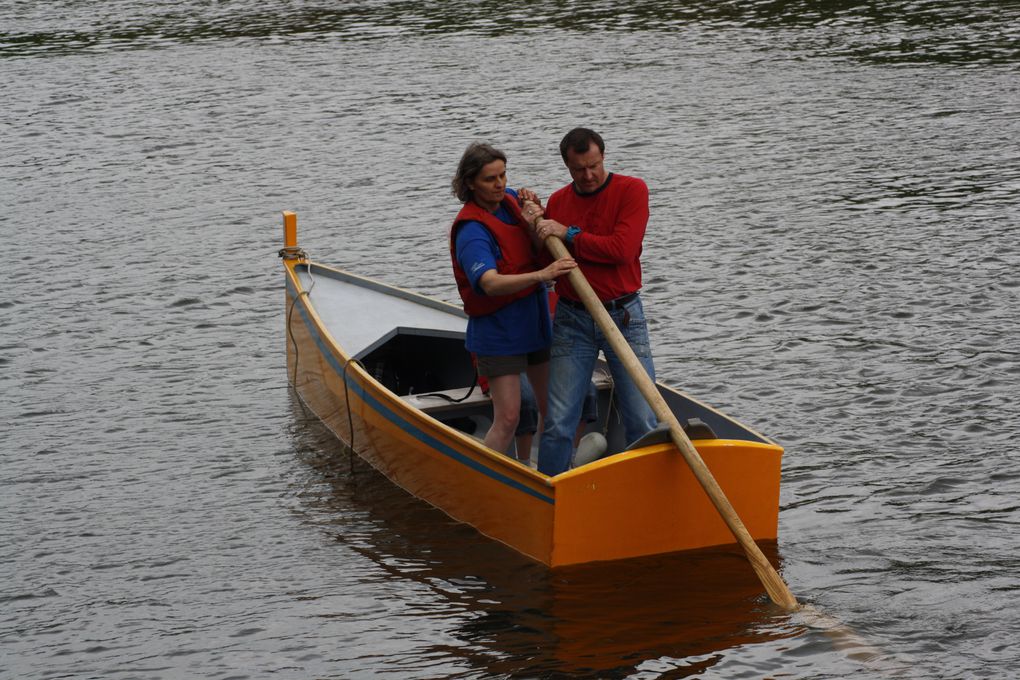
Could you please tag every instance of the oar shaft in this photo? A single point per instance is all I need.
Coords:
(774, 584)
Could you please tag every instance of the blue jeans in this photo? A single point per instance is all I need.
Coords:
(577, 340)
(528, 423)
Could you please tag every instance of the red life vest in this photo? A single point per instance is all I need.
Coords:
(516, 255)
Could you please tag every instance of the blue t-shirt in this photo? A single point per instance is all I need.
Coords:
(520, 327)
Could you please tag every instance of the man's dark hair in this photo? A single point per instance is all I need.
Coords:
(578, 140)
(476, 157)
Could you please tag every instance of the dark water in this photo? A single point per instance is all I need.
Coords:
(832, 258)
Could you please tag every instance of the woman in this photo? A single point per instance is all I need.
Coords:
(503, 287)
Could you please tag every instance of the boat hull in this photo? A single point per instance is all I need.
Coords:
(640, 502)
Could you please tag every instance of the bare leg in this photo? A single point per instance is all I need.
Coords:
(505, 391)
(538, 376)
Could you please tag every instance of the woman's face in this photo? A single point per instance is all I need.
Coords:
(489, 185)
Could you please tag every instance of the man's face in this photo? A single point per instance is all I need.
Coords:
(490, 184)
(586, 169)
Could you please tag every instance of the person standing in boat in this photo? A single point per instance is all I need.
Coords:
(496, 266)
(601, 217)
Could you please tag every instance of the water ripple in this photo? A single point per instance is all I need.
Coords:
(831, 258)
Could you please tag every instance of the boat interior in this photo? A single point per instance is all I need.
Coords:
(432, 371)
(414, 346)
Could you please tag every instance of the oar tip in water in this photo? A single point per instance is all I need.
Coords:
(851, 643)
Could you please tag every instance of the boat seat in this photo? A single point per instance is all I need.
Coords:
(443, 401)
(694, 428)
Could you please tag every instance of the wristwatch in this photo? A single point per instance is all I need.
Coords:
(572, 232)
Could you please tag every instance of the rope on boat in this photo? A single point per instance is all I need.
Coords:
(450, 399)
(293, 254)
(347, 399)
(290, 332)
(612, 407)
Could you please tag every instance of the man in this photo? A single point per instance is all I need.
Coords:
(602, 218)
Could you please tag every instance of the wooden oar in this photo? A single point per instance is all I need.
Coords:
(774, 584)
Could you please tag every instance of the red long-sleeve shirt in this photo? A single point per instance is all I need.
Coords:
(612, 221)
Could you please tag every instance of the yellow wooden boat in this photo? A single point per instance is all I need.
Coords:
(386, 370)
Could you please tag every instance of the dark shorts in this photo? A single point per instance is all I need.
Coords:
(495, 366)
